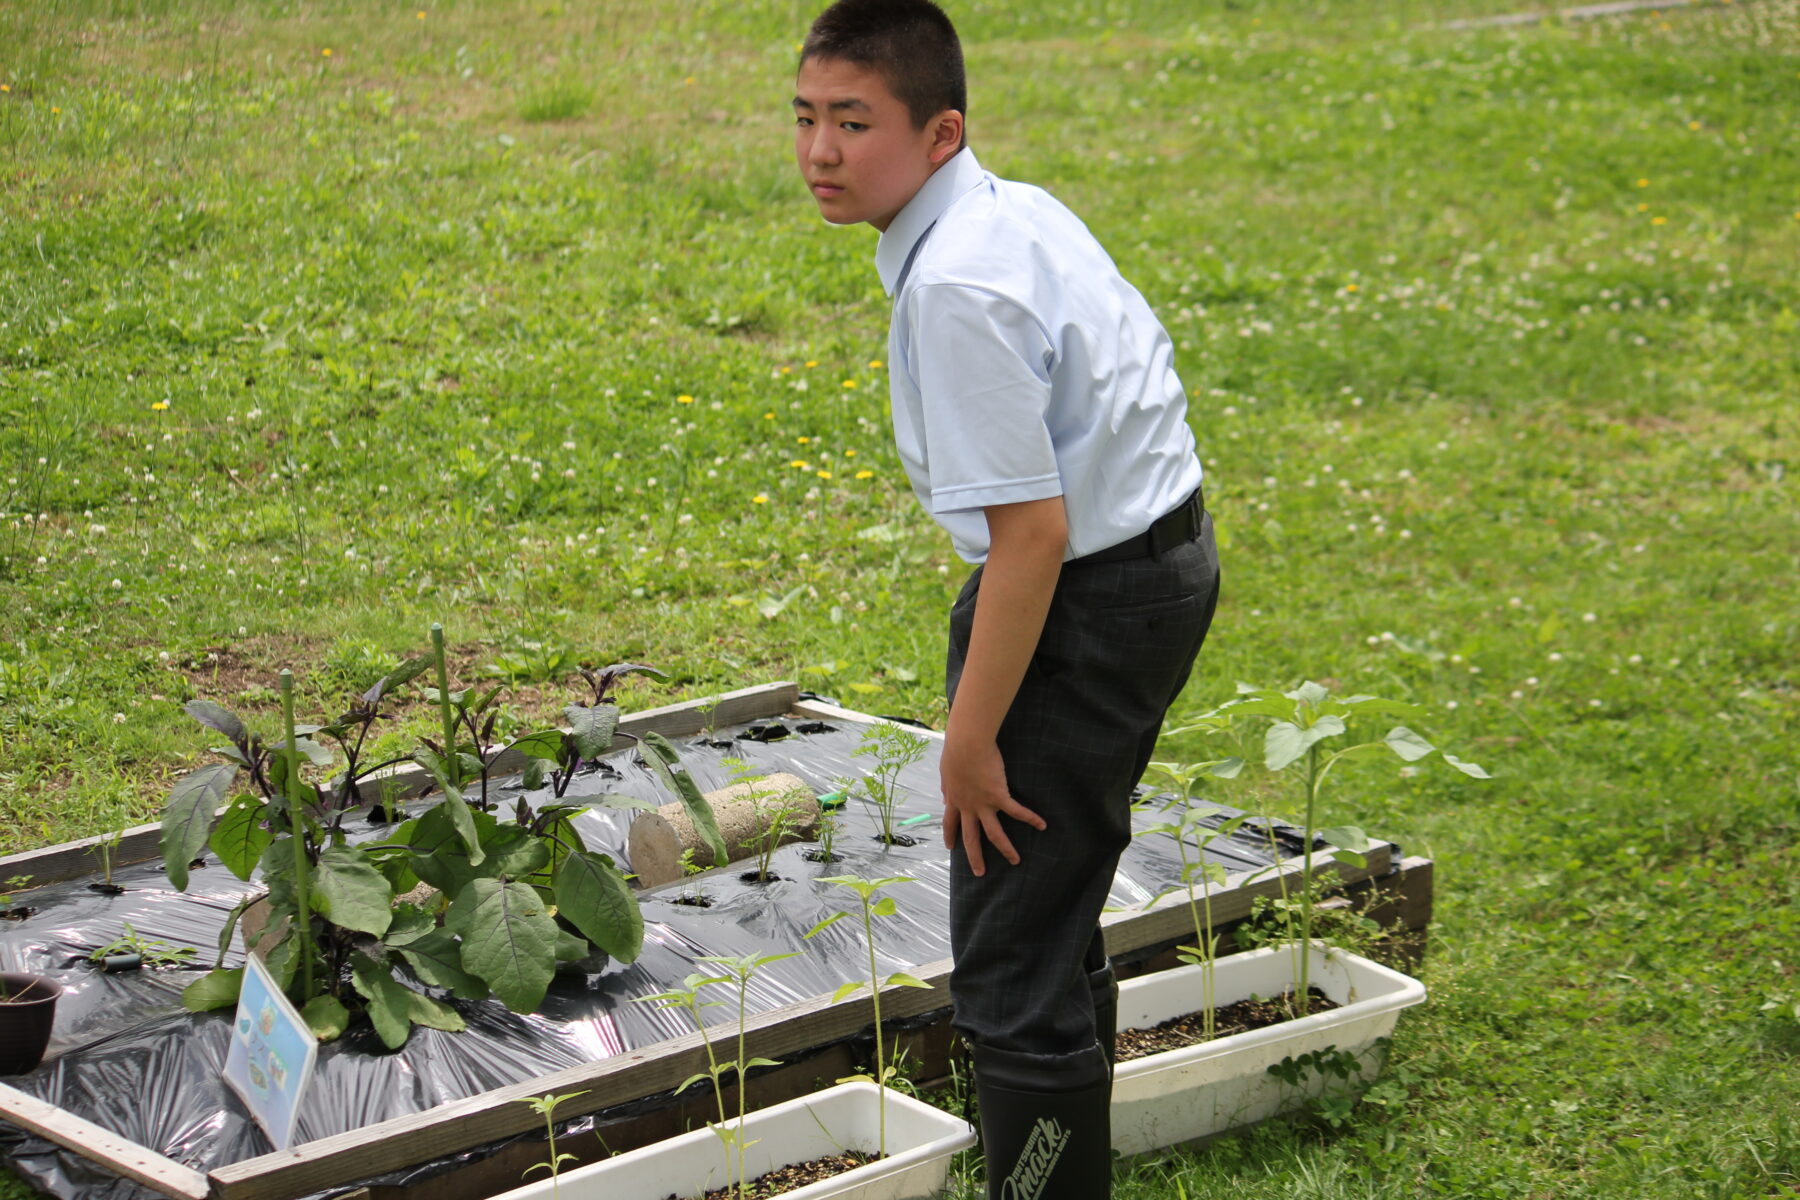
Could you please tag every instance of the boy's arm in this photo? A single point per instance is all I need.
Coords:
(1026, 543)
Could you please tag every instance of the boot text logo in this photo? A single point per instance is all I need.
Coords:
(1036, 1161)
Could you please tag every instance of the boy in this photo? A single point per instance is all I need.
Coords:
(1040, 421)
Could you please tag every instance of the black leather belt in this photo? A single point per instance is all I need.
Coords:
(1171, 530)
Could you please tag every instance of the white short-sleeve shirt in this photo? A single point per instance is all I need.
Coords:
(1022, 366)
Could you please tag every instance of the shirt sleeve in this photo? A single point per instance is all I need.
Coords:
(982, 363)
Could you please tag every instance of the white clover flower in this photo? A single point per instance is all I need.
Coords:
(117, 584)
(1515, 602)
(1594, 704)
(118, 718)
(1555, 656)
(1589, 618)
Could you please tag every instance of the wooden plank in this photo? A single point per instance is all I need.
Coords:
(139, 1163)
(821, 711)
(141, 843)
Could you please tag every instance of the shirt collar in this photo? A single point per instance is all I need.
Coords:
(937, 193)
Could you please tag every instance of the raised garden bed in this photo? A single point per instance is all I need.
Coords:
(459, 1122)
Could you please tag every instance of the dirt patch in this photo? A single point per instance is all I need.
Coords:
(1189, 1030)
(791, 1178)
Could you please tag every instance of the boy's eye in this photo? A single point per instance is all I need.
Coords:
(854, 126)
(803, 122)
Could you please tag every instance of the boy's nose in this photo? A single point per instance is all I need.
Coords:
(823, 149)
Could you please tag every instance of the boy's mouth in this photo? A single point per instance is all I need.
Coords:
(825, 190)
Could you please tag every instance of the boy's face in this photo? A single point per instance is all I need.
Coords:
(856, 144)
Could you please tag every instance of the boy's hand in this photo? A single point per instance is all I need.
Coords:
(975, 794)
(1025, 548)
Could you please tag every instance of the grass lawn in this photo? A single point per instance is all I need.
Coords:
(322, 321)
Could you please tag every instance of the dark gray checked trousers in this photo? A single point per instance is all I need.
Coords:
(1117, 647)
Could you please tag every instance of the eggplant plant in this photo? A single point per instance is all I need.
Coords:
(505, 900)
(1302, 722)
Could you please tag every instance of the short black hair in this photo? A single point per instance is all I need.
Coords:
(910, 42)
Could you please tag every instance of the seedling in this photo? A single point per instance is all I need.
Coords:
(1303, 719)
(776, 813)
(106, 847)
(545, 1107)
(894, 748)
(151, 951)
(866, 893)
(1191, 831)
(737, 971)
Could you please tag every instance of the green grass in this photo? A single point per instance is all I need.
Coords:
(1492, 343)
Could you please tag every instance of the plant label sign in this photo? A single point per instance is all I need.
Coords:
(272, 1054)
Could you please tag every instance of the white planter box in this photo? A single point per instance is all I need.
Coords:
(1206, 1089)
(920, 1141)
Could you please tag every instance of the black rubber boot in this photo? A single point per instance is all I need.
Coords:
(1046, 1129)
(1103, 985)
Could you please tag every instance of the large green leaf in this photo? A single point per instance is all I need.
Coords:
(215, 989)
(388, 1006)
(592, 728)
(667, 764)
(326, 1017)
(188, 817)
(508, 939)
(593, 895)
(436, 958)
(512, 852)
(1407, 744)
(1285, 742)
(433, 1014)
(544, 744)
(439, 855)
(350, 892)
(240, 836)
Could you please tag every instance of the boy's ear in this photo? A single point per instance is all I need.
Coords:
(946, 136)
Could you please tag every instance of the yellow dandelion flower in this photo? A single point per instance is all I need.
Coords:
(420, 14)
(875, 364)
(804, 441)
(1659, 220)
(684, 399)
(759, 498)
(865, 474)
(1643, 208)
(160, 405)
(799, 464)
(5, 87)
(768, 416)
(55, 109)
(1694, 125)
(787, 370)
(1350, 287)
(812, 362)
(824, 474)
(849, 454)
(1643, 183)
(849, 383)
(326, 52)
(689, 81)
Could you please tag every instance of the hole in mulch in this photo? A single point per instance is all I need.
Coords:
(899, 839)
(16, 912)
(792, 1177)
(693, 901)
(753, 877)
(814, 727)
(713, 743)
(106, 889)
(773, 731)
(1189, 1029)
(819, 856)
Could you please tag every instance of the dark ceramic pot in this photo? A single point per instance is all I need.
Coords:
(27, 1011)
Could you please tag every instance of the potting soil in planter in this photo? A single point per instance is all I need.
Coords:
(1190, 1028)
(126, 1034)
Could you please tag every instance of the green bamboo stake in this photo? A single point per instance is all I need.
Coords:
(452, 764)
(297, 830)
